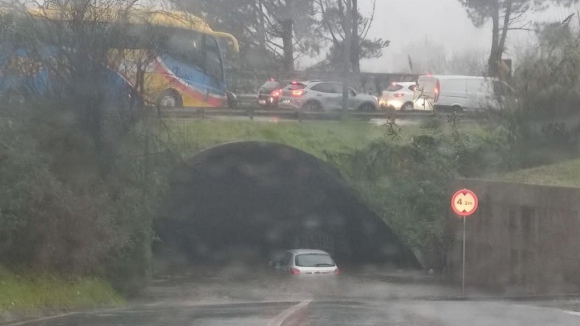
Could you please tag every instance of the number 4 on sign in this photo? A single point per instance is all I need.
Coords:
(464, 202)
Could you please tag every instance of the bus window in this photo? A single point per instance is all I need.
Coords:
(213, 61)
(184, 47)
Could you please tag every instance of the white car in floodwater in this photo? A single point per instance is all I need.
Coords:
(307, 262)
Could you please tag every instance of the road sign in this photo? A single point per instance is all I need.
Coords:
(464, 202)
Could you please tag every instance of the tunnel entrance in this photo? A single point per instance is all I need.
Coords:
(254, 200)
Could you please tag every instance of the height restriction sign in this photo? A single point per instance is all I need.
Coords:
(464, 202)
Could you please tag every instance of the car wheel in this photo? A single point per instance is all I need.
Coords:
(407, 106)
(456, 109)
(170, 99)
(312, 106)
(367, 107)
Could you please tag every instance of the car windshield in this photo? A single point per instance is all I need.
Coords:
(314, 260)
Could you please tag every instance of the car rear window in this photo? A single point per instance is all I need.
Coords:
(294, 85)
(314, 260)
(271, 85)
(394, 88)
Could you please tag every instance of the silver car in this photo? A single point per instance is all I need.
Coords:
(307, 262)
(323, 96)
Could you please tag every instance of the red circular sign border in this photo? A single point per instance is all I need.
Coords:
(463, 192)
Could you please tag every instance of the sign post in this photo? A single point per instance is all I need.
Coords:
(464, 203)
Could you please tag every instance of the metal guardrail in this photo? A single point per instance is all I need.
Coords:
(251, 112)
(247, 100)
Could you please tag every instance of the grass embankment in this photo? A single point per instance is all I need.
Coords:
(31, 294)
(316, 138)
(564, 174)
(312, 137)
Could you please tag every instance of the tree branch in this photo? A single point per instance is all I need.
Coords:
(522, 29)
(325, 21)
(371, 19)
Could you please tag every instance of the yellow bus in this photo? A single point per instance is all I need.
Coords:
(185, 68)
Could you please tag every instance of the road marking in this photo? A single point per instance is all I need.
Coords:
(64, 315)
(42, 319)
(284, 315)
(575, 313)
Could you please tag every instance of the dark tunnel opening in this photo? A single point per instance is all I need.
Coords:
(253, 200)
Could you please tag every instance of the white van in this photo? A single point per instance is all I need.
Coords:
(457, 93)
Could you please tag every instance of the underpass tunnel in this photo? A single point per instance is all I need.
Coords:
(251, 201)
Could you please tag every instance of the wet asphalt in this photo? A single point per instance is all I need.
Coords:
(347, 300)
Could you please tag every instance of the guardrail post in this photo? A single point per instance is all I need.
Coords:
(203, 113)
(251, 114)
(299, 114)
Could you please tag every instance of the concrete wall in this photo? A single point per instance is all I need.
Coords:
(522, 239)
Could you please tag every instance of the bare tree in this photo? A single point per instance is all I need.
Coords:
(334, 23)
(347, 55)
(92, 203)
(505, 15)
(270, 30)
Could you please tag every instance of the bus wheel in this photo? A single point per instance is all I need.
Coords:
(170, 99)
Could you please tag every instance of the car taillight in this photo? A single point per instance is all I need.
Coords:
(276, 93)
(294, 271)
(298, 92)
(399, 94)
(437, 90)
(336, 271)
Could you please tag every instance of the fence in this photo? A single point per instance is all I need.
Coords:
(252, 112)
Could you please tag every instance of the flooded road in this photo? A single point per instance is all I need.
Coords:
(222, 299)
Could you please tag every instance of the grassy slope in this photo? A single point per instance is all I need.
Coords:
(31, 293)
(565, 174)
(313, 137)
(316, 138)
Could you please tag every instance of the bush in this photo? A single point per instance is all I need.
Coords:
(409, 184)
(80, 178)
(543, 126)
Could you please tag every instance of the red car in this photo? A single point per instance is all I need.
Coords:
(270, 92)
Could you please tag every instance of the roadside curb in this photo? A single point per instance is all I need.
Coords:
(527, 298)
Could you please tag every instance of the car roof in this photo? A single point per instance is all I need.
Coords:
(316, 81)
(308, 251)
(449, 77)
(404, 83)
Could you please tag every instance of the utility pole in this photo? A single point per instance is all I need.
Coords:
(346, 53)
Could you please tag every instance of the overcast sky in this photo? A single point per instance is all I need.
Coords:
(443, 21)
